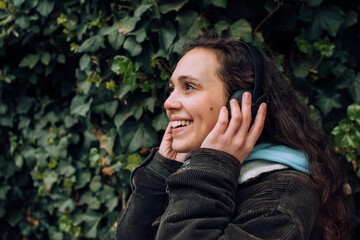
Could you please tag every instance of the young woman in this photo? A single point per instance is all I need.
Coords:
(215, 177)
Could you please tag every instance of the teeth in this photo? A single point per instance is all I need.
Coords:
(180, 123)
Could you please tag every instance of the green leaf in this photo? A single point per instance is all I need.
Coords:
(45, 8)
(19, 161)
(313, 3)
(160, 122)
(172, 6)
(3, 191)
(221, 26)
(133, 161)
(17, 3)
(30, 61)
(23, 22)
(168, 34)
(354, 89)
(82, 178)
(116, 39)
(61, 58)
(217, 3)
(241, 29)
(95, 184)
(350, 19)
(80, 106)
(91, 221)
(345, 125)
(328, 18)
(92, 44)
(109, 108)
(141, 9)
(327, 103)
(121, 65)
(127, 24)
(149, 103)
(133, 47)
(84, 62)
(45, 58)
(143, 137)
(94, 158)
(353, 111)
(121, 117)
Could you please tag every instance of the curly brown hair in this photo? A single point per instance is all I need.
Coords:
(288, 122)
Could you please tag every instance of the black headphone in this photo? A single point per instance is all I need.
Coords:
(258, 75)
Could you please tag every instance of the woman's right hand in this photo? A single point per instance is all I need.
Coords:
(166, 146)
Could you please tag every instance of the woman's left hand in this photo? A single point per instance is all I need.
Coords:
(234, 137)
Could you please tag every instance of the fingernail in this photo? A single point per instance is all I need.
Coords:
(234, 100)
(263, 105)
(247, 95)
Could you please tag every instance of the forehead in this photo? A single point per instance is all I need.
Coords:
(200, 64)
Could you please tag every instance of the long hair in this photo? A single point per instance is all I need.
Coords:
(288, 122)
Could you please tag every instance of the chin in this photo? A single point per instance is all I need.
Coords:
(183, 148)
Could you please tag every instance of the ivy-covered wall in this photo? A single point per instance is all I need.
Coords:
(82, 85)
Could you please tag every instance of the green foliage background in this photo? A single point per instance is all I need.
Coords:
(82, 85)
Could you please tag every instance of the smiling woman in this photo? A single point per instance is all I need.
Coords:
(221, 177)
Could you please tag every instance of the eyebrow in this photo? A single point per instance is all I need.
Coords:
(184, 78)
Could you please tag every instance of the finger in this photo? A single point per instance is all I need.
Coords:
(222, 123)
(258, 125)
(246, 114)
(235, 120)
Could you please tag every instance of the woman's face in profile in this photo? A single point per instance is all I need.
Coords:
(197, 94)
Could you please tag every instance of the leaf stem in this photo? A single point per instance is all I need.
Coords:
(279, 4)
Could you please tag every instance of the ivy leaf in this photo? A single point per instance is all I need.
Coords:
(141, 9)
(242, 29)
(23, 22)
(116, 39)
(92, 44)
(91, 221)
(82, 178)
(30, 61)
(353, 111)
(80, 106)
(45, 8)
(354, 89)
(143, 137)
(326, 103)
(133, 47)
(329, 19)
(350, 19)
(45, 58)
(84, 62)
(127, 24)
(217, 3)
(17, 3)
(149, 103)
(160, 122)
(109, 108)
(121, 117)
(313, 3)
(168, 34)
(133, 161)
(172, 6)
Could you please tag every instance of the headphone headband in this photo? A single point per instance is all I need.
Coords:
(258, 69)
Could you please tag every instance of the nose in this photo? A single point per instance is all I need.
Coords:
(173, 102)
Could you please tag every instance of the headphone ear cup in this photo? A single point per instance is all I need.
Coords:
(238, 95)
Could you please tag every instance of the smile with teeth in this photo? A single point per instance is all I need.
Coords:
(182, 123)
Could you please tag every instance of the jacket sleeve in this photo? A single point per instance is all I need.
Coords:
(202, 197)
(148, 200)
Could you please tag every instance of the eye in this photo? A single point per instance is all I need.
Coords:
(170, 90)
(189, 86)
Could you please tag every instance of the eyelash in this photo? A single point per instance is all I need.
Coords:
(188, 87)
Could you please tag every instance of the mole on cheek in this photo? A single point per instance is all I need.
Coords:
(211, 108)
